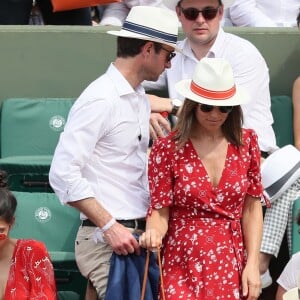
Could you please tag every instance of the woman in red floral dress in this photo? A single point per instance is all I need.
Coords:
(205, 187)
(26, 272)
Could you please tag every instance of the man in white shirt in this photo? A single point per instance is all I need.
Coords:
(206, 38)
(264, 13)
(99, 165)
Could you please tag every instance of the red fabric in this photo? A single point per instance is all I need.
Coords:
(31, 274)
(61, 5)
(203, 252)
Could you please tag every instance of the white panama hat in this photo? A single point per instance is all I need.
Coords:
(149, 23)
(213, 84)
(279, 171)
(292, 294)
(173, 3)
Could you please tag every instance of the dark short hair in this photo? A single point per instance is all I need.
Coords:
(129, 47)
(298, 19)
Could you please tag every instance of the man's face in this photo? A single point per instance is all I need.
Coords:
(158, 62)
(200, 28)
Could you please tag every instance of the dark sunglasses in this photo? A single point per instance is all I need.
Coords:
(192, 13)
(208, 108)
(171, 54)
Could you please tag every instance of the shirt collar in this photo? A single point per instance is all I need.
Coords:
(123, 87)
(214, 51)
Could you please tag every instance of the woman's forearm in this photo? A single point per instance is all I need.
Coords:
(252, 225)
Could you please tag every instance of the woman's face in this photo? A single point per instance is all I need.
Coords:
(211, 120)
(4, 230)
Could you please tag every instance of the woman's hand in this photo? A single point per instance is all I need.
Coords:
(151, 239)
(251, 282)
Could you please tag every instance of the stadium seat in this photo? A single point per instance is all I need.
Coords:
(295, 226)
(282, 110)
(30, 129)
(41, 216)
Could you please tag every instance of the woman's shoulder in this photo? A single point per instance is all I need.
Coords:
(31, 245)
(166, 142)
(248, 134)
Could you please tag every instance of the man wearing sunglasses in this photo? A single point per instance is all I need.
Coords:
(201, 23)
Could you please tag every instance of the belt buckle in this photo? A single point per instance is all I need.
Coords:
(136, 224)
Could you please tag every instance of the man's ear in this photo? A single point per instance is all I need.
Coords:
(147, 48)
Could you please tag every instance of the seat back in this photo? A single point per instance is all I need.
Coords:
(41, 216)
(32, 126)
(282, 110)
(295, 226)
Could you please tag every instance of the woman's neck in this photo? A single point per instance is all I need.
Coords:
(6, 249)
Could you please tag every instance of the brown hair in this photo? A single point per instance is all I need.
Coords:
(232, 127)
(8, 202)
(130, 47)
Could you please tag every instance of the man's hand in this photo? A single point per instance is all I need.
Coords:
(158, 124)
(121, 240)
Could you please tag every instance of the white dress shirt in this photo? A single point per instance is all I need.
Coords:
(250, 71)
(116, 13)
(265, 13)
(102, 151)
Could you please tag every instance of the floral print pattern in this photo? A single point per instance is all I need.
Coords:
(203, 251)
(31, 274)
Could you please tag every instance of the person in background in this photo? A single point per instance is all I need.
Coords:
(296, 103)
(26, 268)
(205, 191)
(201, 23)
(17, 12)
(115, 13)
(264, 13)
(99, 165)
(290, 276)
(296, 112)
(276, 219)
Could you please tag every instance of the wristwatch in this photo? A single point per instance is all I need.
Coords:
(176, 103)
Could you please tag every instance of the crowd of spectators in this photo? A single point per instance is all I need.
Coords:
(245, 13)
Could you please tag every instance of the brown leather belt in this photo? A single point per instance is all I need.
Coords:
(135, 224)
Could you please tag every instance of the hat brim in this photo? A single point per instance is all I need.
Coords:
(284, 187)
(128, 34)
(279, 171)
(291, 294)
(183, 88)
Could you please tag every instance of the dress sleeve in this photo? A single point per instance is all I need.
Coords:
(254, 175)
(40, 272)
(160, 173)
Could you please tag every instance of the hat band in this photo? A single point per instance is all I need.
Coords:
(277, 185)
(150, 32)
(214, 95)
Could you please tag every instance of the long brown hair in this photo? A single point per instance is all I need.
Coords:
(231, 128)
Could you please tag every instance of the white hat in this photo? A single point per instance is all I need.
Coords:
(173, 3)
(152, 24)
(279, 171)
(291, 294)
(212, 84)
